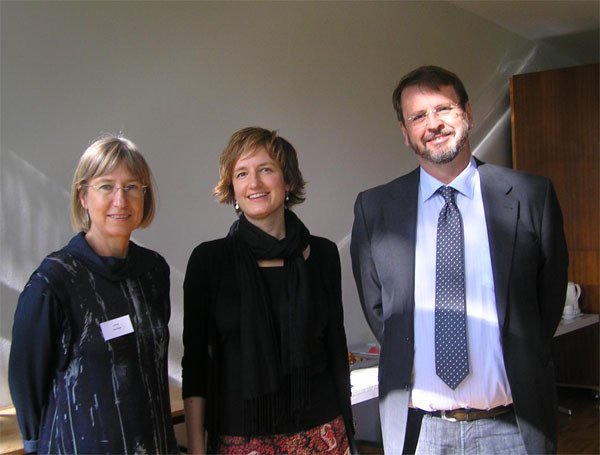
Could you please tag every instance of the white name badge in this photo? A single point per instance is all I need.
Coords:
(116, 327)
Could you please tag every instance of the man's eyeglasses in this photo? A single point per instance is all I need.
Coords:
(132, 191)
(444, 112)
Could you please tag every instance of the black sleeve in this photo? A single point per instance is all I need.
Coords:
(196, 303)
(552, 275)
(166, 277)
(33, 356)
(335, 337)
(365, 272)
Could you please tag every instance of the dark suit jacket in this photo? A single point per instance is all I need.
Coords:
(529, 261)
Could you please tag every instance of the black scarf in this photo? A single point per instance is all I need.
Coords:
(275, 370)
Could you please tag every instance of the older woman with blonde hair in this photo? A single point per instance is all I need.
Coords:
(265, 366)
(88, 361)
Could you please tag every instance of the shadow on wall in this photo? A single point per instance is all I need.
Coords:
(31, 226)
(491, 139)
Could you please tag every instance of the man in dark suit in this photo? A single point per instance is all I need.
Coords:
(504, 288)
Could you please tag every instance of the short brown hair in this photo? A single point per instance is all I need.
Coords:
(432, 77)
(255, 138)
(103, 156)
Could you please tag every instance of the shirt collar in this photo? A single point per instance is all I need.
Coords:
(464, 182)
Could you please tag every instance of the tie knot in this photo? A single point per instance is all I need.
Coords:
(448, 193)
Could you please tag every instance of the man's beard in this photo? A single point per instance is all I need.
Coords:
(441, 156)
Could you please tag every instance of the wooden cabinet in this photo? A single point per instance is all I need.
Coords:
(555, 122)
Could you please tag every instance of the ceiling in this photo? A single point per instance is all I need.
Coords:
(537, 19)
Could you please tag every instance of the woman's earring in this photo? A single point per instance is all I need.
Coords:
(236, 205)
(287, 197)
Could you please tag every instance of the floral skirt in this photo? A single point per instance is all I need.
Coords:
(328, 438)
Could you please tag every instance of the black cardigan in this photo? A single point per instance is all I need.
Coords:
(211, 332)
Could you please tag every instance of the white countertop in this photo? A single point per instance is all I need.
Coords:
(579, 322)
(364, 384)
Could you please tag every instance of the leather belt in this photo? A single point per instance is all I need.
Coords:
(468, 415)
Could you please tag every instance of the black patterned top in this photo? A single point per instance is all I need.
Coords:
(79, 391)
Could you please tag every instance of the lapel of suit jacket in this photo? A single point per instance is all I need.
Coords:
(400, 220)
(501, 216)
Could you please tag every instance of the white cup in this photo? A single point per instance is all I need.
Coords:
(570, 311)
(571, 308)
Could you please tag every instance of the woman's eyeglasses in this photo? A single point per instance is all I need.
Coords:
(132, 191)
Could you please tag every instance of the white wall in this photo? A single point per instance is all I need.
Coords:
(179, 78)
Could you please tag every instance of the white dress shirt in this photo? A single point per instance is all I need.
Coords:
(486, 386)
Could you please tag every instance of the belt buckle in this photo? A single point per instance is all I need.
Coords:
(443, 416)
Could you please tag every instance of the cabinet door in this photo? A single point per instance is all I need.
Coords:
(555, 132)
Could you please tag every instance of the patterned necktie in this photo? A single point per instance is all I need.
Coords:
(451, 360)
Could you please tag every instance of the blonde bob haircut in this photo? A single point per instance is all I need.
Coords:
(102, 157)
(253, 139)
